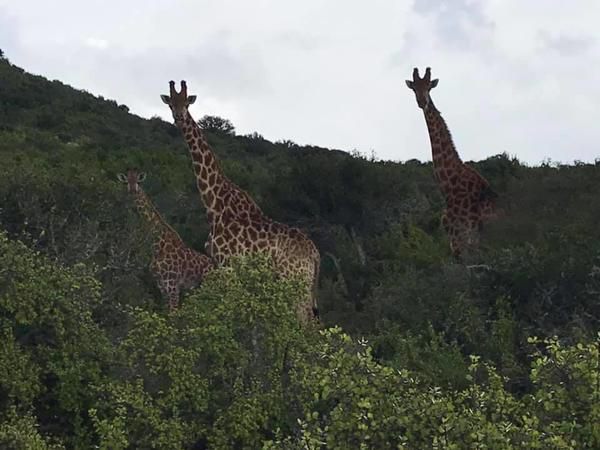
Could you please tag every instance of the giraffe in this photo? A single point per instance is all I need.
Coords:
(174, 265)
(237, 224)
(470, 201)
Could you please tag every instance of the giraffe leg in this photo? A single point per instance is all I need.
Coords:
(456, 240)
(474, 230)
(465, 238)
(173, 300)
(170, 292)
(455, 247)
(448, 222)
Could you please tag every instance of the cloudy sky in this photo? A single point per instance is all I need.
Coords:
(516, 76)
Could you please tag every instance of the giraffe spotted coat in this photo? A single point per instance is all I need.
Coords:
(174, 265)
(470, 201)
(237, 224)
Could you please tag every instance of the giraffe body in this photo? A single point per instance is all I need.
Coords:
(237, 224)
(470, 201)
(175, 266)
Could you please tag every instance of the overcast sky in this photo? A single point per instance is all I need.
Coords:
(521, 76)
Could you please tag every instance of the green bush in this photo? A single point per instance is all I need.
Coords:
(351, 401)
(209, 373)
(52, 348)
(234, 369)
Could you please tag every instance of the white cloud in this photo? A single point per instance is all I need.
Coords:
(96, 43)
(514, 76)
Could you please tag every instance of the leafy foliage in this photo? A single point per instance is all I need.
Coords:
(233, 369)
(216, 124)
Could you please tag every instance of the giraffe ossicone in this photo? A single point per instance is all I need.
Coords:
(174, 265)
(237, 224)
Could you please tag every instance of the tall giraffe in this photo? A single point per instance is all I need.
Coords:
(470, 201)
(237, 224)
(174, 265)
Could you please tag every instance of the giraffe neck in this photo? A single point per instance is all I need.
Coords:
(149, 213)
(209, 177)
(446, 161)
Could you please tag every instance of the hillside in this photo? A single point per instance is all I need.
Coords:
(387, 273)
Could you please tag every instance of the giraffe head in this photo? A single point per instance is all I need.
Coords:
(421, 87)
(132, 180)
(178, 102)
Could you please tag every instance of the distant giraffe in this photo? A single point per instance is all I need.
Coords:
(470, 201)
(237, 224)
(174, 265)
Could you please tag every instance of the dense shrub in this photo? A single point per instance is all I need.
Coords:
(233, 369)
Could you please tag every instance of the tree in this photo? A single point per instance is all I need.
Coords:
(287, 143)
(216, 124)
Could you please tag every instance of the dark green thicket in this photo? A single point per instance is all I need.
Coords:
(90, 357)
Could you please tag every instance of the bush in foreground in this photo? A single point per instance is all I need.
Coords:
(233, 369)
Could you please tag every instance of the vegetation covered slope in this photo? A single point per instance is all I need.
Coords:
(84, 311)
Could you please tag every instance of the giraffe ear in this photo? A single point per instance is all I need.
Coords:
(433, 83)
(141, 177)
(166, 99)
(191, 99)
(409, 83)
(122, 177)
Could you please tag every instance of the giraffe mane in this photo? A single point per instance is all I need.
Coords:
(141, 193)
(160, 217)
(450, 138)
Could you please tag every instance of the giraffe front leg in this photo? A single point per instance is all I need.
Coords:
(473, 233)
(455, 247)
(170, 292)
(451, 233)
(173, 300)
(208, 244)
(456, 241)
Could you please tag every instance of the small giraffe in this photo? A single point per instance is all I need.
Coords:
(470, 201)
(237, 224)
(174, 265)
